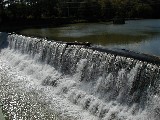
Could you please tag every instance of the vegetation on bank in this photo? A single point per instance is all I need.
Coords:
(63, 11)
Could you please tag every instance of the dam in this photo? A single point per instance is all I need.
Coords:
(42, 79)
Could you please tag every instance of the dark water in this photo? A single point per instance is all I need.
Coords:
(137, 35)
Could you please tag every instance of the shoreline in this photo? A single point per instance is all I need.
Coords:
(17, 25)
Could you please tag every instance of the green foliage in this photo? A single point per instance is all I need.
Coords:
(90, 10)
(79, 9)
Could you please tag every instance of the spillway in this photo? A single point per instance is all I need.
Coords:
(51, 80)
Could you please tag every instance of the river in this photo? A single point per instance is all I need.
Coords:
(137, 35)
(43, 80)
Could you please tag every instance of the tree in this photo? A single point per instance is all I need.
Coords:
(3, 3)
(90, 10)
(49, 8)
(120, 7)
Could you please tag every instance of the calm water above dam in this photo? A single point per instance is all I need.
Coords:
(137, 35)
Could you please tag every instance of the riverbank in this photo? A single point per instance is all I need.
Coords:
(17, 25)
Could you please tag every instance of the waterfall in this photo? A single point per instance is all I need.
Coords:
(84, 82)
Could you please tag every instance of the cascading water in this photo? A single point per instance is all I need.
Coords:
(78, 82)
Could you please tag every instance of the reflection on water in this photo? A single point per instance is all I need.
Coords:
(137, 35)
(148, 46)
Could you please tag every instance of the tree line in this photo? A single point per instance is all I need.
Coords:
(90, 10)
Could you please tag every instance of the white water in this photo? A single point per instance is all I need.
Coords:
(29, 74)
(71, 98)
